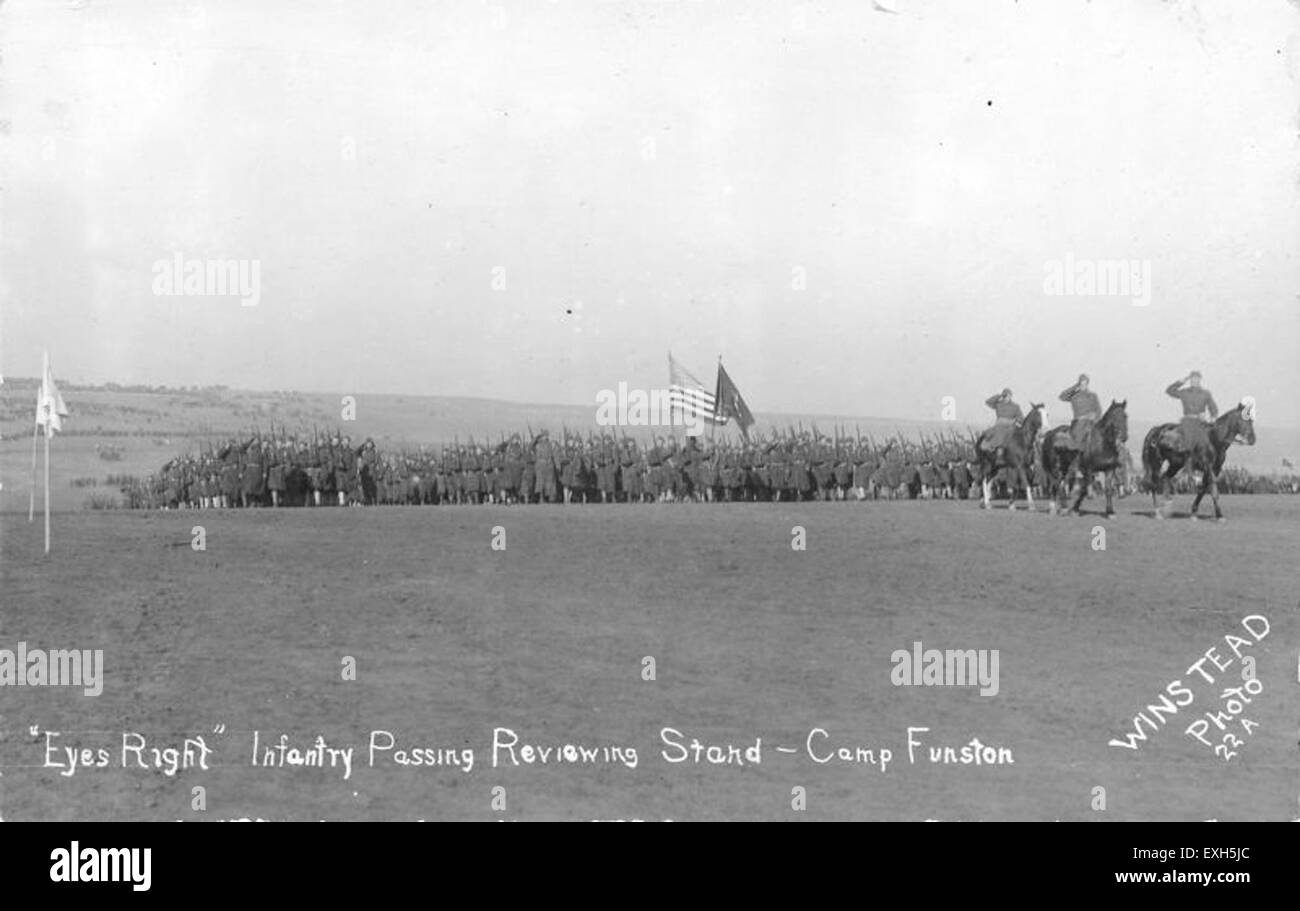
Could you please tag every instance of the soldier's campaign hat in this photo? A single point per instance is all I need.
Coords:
(1083, 378)
(1195, 374)
(1007, 392)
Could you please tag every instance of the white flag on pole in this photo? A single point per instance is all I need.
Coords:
(49, 402)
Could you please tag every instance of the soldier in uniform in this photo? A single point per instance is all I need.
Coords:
(654, 476)
(471, 466)
(230, 472)
(776, 470)
(843, 472)
(822, 468)
(276, 472)
(1086, 408)
(443, 492)
(568, 471)
(372, 475)
(630, 477)
(760, 476)
(319, 472)
(528, 473)
(801, 478)
(1199, 410)
(943, 479)
(711, 472)
(545, 464)
(513, 472)
(352, 469)
(254, 478)
(863, 466)
(1009, 416)
(673, 482)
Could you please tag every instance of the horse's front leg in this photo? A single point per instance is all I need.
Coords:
(1107, 481)
(1200, 494)
(1029, 490)
(1214, 495)
(1084, 481)
(1061, 486)
(1166, 484)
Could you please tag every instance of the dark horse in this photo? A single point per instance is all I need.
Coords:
(1103, 451)
(1162, 461)
(1015, 455)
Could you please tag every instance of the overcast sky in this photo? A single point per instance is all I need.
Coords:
(855, 208)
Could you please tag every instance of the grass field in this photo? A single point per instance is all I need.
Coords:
(750, 639)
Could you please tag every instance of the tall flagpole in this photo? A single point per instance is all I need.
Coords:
(713, 424)
(47, 399)
(31, 500)
(47, 484)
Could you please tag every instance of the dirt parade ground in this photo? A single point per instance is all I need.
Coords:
(671, 661)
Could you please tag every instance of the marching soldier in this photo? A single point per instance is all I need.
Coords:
(546, 464)
(276, 472)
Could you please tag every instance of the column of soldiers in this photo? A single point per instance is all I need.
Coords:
(297, 470)
(292, 470)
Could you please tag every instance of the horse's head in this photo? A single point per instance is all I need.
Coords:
(1034, 420)
(1240, 422)
(1115, 420)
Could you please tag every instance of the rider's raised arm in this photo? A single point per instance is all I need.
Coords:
(1068, 393)
(992, 401)
(1173, 388)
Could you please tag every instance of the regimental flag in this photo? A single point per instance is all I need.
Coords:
(49, 402)
(687, 395)
(730, 403)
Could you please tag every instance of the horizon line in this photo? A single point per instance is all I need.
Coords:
(164, 390)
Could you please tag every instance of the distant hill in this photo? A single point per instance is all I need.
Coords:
(149, 425)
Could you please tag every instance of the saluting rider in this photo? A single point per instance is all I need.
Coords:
(1009, 416)
(1086, 408)
(1194, 428)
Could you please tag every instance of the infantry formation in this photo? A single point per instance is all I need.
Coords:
(324, 469)
(295, 470)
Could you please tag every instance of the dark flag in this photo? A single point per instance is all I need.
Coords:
(730, 403)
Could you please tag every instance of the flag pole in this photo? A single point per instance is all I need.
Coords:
(47, 485)
(31, 500)
(713, 424)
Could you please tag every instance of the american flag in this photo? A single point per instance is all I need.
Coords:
(689, 396)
